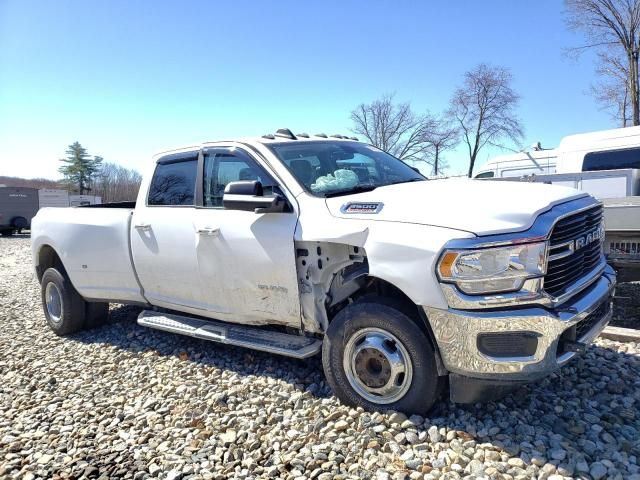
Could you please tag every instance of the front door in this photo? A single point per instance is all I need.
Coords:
(246, 261)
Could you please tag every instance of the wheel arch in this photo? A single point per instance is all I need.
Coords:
(381, 291)
(332, 275)
(47, 257)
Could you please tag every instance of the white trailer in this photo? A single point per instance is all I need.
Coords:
(53, 197)
(82, 200)
(614, 149)
(536, 161)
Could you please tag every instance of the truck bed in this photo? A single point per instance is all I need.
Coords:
(94, 245)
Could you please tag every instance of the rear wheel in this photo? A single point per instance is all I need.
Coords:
(376, 357)
(64, 308)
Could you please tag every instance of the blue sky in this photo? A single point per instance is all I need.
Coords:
(130, 78)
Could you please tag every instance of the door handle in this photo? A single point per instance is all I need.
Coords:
(208, 231)
(145, 227)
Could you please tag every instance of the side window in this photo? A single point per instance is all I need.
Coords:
(222, 168)
(611, 160)
(174, 183)
(485, 175)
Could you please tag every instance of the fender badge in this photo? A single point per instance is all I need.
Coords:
(360, 207)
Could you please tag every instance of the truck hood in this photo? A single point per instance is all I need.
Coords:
(481, 207)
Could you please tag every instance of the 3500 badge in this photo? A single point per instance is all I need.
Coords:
(359, 207)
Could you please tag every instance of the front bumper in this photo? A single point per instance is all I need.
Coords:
(456, 333)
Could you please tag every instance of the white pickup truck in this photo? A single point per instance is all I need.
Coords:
(298, 244)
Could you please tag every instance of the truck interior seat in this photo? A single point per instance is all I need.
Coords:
(247, 174)
(363, 174)
(303, 170)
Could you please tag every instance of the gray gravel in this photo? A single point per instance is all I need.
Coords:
(122, 401)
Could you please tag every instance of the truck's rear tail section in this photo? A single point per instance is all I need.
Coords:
(93, 244)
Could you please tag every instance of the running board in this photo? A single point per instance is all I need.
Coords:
(295, 346)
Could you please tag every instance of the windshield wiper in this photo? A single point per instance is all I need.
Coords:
(349, 191)
(416, 179)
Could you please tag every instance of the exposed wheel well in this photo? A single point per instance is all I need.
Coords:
(382, 291)
(48, 258)
(377, 288)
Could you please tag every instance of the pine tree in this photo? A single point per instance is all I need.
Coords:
(80, 168)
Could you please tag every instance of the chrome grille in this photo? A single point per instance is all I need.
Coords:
(566, 262)
(584, 326)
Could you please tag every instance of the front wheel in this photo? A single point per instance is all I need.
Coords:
(376, 357)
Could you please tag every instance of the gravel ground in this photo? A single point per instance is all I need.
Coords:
(122, 401)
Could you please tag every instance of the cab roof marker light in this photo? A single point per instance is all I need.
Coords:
(286, 133)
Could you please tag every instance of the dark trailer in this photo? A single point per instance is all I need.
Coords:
(18, 205)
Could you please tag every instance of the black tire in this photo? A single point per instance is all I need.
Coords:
(19, 223)
(71, 316)
(6, 233)
(96, 314)
(423, 389)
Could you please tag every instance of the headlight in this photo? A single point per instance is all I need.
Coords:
(493, 270)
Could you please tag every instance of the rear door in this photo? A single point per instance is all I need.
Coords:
(163, 238)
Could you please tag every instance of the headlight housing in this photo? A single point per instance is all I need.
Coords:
(493, 270)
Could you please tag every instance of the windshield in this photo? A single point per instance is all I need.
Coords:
(340, 168)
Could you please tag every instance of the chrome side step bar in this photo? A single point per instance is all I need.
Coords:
(295, 346)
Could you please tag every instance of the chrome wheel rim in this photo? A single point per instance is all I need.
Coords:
(377, 365)
(53, 301)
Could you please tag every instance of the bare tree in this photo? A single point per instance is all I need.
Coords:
(393, 128)
(609, 24)
(116, 183)
(612, 92)
(442, 137)
(484, 109)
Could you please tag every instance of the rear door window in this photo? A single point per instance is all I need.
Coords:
(612, 160)
(174, 183)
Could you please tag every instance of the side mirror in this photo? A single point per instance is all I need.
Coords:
(247, 195)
